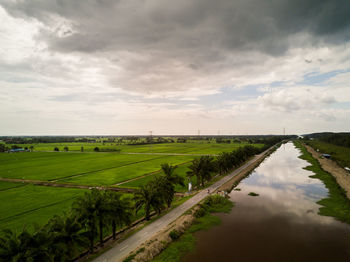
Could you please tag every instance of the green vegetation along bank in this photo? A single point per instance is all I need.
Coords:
(185, 243)
(336, 205)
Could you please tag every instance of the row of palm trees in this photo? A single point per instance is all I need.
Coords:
(158, 193)
(65, 236)
(204, 167)
(92, 216)
(99, 212)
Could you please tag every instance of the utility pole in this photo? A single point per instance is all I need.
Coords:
(150, 132)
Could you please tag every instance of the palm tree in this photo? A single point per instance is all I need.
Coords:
(224, 163)
(84, 207)
(195, 170)
(149, 197)
(165, 188)
(171, 179)
(24, 247)
(13, 247)
(66, 236)
(207, 167)
(119, 210)
(39, 247)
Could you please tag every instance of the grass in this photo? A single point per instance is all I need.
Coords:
(9, 185)
(187, 242)
(339, 153)
(29, 204)
(336, 205)
(51, 166)
(189, 148)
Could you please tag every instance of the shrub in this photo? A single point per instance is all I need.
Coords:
(200, 212)
(174, 234)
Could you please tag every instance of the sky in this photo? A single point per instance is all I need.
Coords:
(128, 67)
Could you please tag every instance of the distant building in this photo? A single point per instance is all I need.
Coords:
(15, 150)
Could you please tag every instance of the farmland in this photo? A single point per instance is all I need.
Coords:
(338, 153)
(28, 204)
(130, 166)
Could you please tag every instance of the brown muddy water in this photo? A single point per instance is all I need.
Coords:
(281, 224)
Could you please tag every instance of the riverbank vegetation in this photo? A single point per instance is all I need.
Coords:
(204, 220)
(336, 204)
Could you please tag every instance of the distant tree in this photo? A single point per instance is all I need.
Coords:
(65, 149)
(31, 148)
(3, 148)
(82, 149)
(56, 149)
(96, 149)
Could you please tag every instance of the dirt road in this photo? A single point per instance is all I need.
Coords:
(342, 176)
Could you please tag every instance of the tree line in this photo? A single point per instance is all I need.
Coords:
(339, 139)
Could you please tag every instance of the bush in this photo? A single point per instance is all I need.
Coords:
(56, 149)
(96, 149)
(202, 211)
(174, 234)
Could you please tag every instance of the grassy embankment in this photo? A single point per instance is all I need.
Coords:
(336, 205)
(339, 153)
(204, 220)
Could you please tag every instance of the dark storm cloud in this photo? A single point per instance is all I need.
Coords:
(182, 28)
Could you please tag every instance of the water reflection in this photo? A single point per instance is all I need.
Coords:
(281, 224)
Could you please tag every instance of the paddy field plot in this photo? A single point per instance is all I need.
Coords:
(116, 175)
(29, 204)
(54, 166)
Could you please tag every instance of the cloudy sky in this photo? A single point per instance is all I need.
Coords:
(173, 67)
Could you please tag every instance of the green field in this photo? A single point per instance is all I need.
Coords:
(339, 153)
(23, 204)
(29, 204)
(188, 148)
(116, 175)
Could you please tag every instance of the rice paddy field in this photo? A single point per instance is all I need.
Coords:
(23, 204)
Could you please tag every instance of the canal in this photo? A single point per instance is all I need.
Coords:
(281, 224)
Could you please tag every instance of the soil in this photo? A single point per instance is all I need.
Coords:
(160, 241)
(342, 176)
